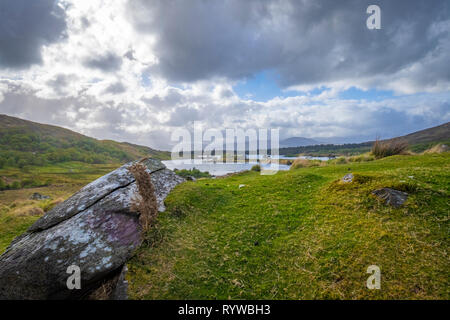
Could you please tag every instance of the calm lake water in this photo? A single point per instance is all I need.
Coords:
(219, 169)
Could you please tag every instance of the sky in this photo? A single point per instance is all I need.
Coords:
(137, 70)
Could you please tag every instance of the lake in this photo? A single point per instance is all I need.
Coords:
(220, 169)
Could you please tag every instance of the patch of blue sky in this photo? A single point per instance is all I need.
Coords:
(262, 87)
(354, 93)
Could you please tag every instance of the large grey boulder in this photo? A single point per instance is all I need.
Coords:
(95, 229)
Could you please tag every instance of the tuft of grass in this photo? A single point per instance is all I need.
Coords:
(145, 201)
(305, 163)
(381, 149)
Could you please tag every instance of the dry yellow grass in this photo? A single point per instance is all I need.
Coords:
(439, 148)
(145, 201)
(305, 163)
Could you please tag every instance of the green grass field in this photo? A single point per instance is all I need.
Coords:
(298, 234)
(302, 235)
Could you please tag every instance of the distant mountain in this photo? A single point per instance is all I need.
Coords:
(297, 142)
(24, 142)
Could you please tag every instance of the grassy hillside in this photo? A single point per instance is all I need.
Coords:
(418, 142)
(301, 234)
(25, 143)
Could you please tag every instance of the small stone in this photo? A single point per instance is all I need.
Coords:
(348, 178)
(391, 197)
(241, 186)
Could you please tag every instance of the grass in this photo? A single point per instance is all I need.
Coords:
(18, 212)
(301, 234)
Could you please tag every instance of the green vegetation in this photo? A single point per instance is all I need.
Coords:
(328, 150)
(195, 173)
(302, 234)
(256, 168)
(25, 143)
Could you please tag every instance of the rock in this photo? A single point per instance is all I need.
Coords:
(191, 178)
(38, 196)
(391, 197)
(121, 290)
(94, 229)
(241, 186)
(347, 178)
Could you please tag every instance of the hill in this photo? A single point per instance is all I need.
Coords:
(434, 134)
(298, 142)
(24, 142)
(418, 142)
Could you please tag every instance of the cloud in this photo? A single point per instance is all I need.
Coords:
(306, 43)
(108, 63)
(27, 26)
(115, 88)
(136, 70)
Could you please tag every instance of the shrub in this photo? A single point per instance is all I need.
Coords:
(256, 168)
(192, 173)
(381, 149)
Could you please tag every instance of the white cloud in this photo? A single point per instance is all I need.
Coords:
(113, 74)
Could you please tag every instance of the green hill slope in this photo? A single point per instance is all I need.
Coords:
(24, 142)
(434, 134)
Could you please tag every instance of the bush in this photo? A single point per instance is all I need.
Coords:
(304, 163)
(256, 168)
(388, 148)
(192, 173)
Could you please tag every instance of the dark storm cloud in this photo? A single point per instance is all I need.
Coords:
(25, 26)
(107, 63)
(307, 42)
